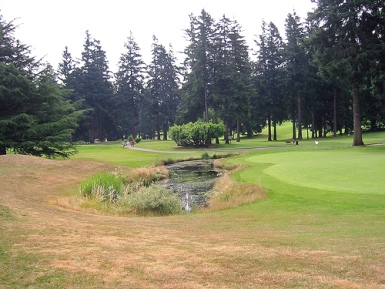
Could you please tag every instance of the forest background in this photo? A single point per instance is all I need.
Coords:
(325, 75)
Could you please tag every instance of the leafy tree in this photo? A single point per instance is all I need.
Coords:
(35, 118)
(195, 134)
(349, 41)
(129, 87)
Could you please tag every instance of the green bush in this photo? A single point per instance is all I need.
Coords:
(154, 199)
(196, 134)
(205, 156)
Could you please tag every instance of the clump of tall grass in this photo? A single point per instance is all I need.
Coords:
(154, 200)
(104, 186)
(228, 193)
(146, 176)
(130, 192)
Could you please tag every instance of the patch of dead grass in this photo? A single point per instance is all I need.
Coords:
(228, 193)
(212, 250)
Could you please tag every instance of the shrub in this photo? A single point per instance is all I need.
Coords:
(205, 156)
(195, 134)
(154, 199)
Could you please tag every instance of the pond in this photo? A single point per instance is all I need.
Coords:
(192, 181)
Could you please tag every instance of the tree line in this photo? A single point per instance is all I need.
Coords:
(325, 75)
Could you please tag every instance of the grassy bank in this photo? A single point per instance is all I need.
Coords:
(321, 225)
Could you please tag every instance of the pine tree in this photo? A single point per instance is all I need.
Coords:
(199, 68)
(269, 76)
(129, 87)
(94, 86)
(35, 118)
(162, 87)
(231, 85)
(296, 69)
(348, 42)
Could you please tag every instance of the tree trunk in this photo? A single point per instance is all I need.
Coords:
(357, 138)
(165, 132)
(294, 130)
(275, 127)
(206, 105)
(226, 131)
(158, 130)
(299, 115)
(313, 129)
(335, 113)
(238, 130)
(3, 150)
(133, 124)
(268, 127)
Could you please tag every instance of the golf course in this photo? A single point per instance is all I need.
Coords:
(321, 223)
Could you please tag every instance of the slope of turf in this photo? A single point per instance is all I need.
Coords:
(354, 171)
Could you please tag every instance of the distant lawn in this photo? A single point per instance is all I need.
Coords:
(116, 154)
(113, 152)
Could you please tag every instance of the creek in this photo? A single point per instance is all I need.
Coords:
(192, 181)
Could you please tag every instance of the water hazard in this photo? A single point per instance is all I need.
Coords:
(192, 181)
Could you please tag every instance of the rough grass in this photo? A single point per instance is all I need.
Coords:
(111, 192)
(297, 237)
(227, 193)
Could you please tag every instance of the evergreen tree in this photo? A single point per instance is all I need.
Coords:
(348, 42)
(129, 87)
(199, 68)
(296, 70)
(35, 118)
(269, 76)
(162, 87)
(231, 85)
(94, 86)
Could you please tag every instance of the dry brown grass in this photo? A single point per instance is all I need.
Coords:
(227, 193)
(146, 175)
(67, 248)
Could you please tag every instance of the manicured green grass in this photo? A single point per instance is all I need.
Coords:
(116, 154)
(352, 171)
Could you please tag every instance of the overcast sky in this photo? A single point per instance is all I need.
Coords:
(50, 25)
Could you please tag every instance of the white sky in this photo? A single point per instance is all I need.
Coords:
(50, 25)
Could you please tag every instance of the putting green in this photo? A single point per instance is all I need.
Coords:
(345, 171)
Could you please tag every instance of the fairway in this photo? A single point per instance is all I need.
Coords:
(350, 171)
(321, 225)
